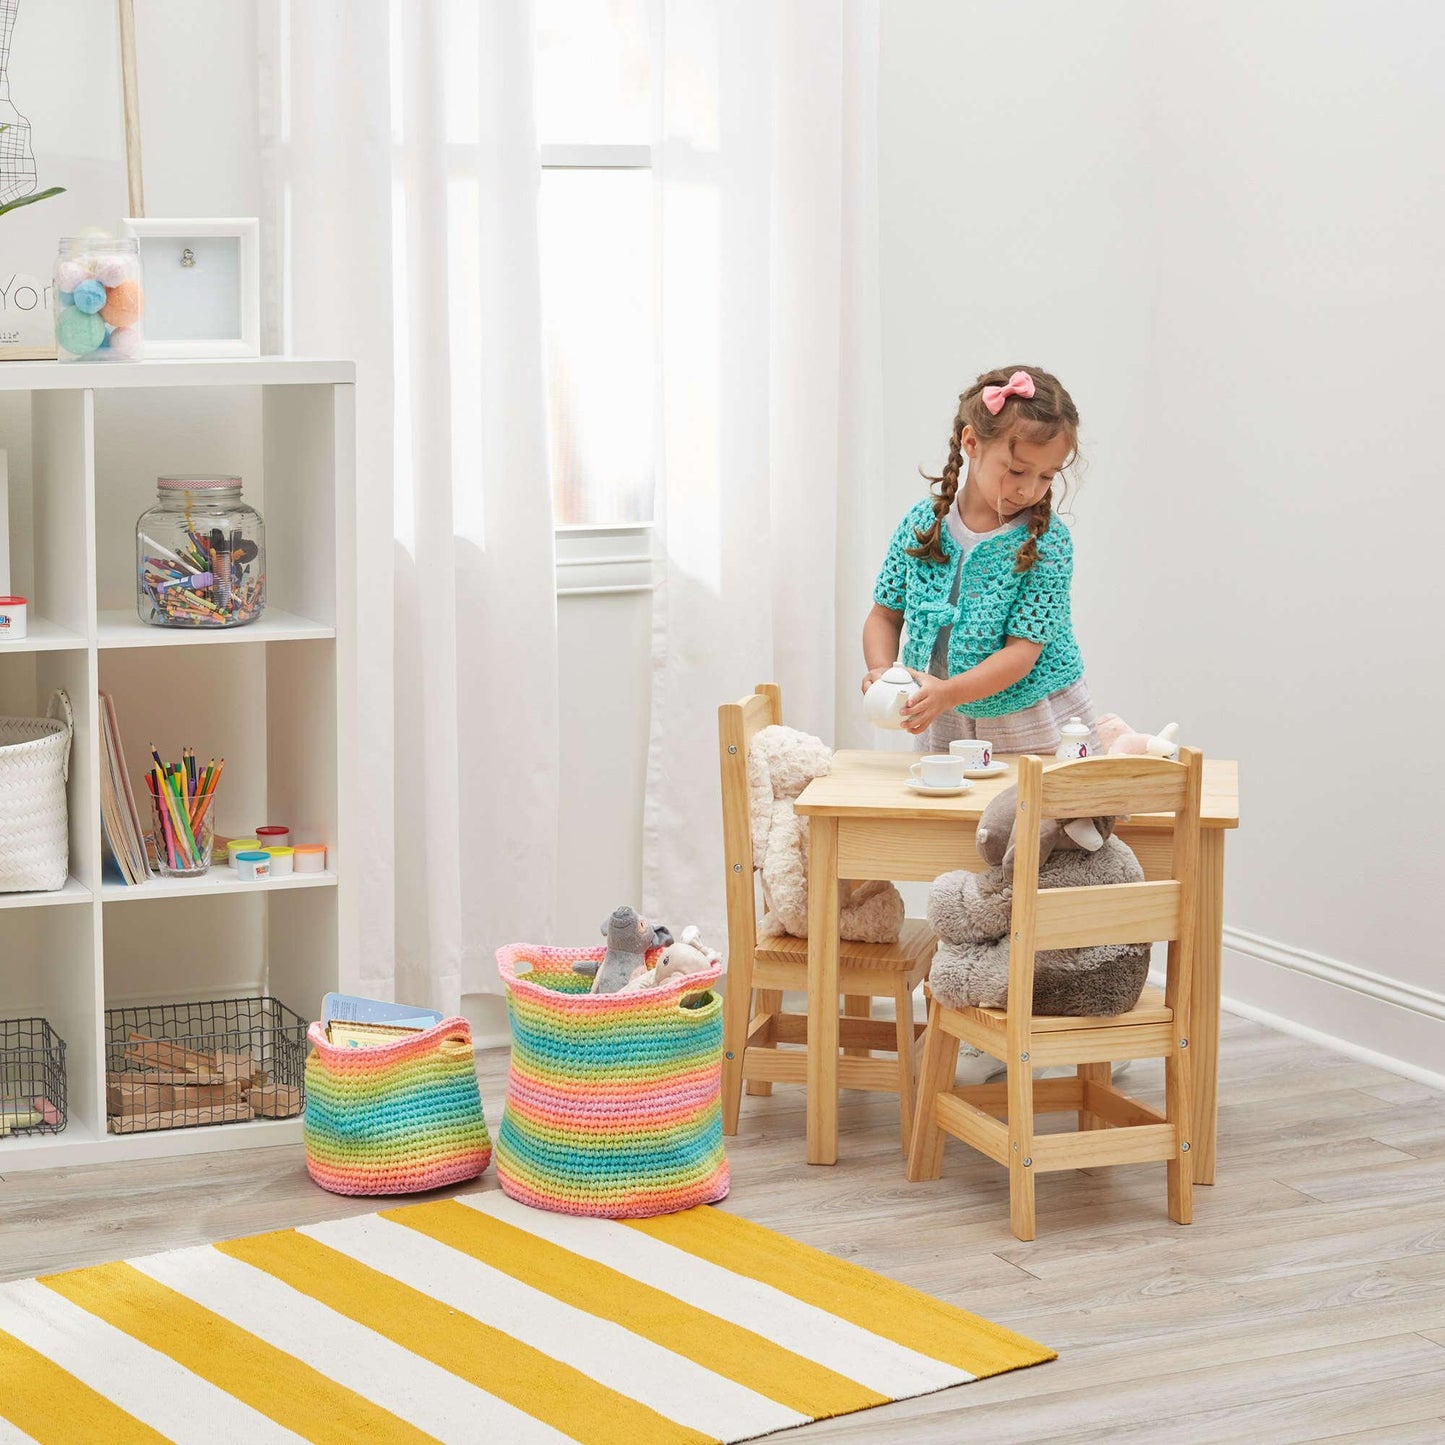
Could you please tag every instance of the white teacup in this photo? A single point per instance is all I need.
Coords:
(975, 752)
(938, 770)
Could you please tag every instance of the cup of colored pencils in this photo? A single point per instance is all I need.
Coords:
(183, 807)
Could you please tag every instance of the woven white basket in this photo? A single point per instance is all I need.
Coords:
(34, 825)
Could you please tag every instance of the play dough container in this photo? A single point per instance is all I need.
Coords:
(99, 299)
(253, 866)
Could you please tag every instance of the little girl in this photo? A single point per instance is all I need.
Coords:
(979, 576)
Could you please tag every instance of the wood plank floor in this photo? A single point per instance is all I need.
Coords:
(1306, 1303)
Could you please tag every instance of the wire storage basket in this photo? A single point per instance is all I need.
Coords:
(32, 1078)
(222, 1061)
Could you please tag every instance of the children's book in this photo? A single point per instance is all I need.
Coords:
(364, 1036)
(120, 821)
(348, 1008)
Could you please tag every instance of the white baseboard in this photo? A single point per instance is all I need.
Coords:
(1372, 989)
(1336, 971)
(1340, 1046)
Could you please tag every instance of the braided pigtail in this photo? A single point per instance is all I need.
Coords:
(930, 539)
(1043, 512)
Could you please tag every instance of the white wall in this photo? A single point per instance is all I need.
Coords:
(196, 64)
(1218, 226)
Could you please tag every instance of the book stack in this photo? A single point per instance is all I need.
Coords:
(125, 838)
(360, 1023)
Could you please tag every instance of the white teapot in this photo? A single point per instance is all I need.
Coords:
(1073, 739)
(883, 702)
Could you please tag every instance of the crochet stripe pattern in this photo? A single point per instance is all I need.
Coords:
(395, 1118)
(995, 603)
(614, 1102)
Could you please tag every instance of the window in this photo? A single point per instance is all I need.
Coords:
(594, 104)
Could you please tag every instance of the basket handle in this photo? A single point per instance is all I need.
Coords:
(60, 702)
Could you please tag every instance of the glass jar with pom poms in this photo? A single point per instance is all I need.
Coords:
(99, 299)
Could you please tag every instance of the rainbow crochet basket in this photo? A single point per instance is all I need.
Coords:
(614, 1103)
(396, 1118)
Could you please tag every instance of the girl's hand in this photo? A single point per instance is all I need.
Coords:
(932, 701)
(873, 675)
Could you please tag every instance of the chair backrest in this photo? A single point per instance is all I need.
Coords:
(738, 723)
(1114, 913)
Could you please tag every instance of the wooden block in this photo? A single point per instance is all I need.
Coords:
(238, 1066)
(177, 1119)
(158, 1054)
(275, 1101)
(170, 1076)
(153, 1092)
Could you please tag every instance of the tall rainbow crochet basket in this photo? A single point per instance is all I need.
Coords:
(395, 1118)
(614, 1101)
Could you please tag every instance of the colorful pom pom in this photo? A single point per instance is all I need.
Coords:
(67, 298)
(78, 332)
(122, 304)
(125, 341)
(69, 275)
(112, 270)
(89, 297)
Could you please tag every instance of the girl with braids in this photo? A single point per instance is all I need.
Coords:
(978, 575)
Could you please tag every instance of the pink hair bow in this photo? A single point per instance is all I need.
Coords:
(1019, 384)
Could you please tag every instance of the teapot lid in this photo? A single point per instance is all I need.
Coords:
(1075, 727)
(897, 674)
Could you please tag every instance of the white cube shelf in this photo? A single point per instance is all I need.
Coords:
(277, 699)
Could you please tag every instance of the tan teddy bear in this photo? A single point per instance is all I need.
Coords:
(781, 763)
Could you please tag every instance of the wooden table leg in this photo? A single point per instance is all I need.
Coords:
(1204, 1006)
(822, 990)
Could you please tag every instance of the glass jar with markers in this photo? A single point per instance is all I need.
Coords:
(200, 555)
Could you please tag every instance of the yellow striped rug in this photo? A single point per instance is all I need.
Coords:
(478, 1321)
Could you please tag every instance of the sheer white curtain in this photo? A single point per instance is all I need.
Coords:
(772, 388)
(401, 228)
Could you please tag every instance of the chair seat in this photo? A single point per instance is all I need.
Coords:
(1151, 1009)
(916, 943)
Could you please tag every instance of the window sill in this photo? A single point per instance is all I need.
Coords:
(600, 559)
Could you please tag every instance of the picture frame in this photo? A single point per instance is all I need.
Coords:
(202, 284)
(71, 126)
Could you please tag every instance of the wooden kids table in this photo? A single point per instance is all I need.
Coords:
(865, 823)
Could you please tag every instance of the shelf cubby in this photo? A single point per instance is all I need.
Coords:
(85, 445)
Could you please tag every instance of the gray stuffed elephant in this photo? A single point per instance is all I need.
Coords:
(970, 913)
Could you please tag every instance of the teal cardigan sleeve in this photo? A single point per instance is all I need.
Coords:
(1042, 606)
(891, 588)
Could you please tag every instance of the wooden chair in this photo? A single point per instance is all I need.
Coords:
(998, 1119)
(756, 1031)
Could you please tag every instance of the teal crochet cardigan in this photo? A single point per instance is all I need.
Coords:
(994, 603)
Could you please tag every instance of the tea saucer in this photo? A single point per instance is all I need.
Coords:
(996, 769)
(919, 786)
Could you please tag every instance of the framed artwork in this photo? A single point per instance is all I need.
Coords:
(202, 280)
(67, 116)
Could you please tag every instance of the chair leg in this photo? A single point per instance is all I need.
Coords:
(857, 1006)
(1093, 1074)
(737, 1009)
(903, 1027)
(1021, 1142)
(770, 1001)
(940, 1059)
(1177, 1106)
